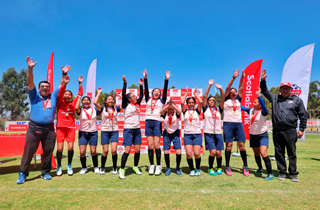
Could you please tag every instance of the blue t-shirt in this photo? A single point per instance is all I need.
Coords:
(37, 113)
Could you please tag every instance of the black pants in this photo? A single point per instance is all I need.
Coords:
(36, 133)
(285, 139)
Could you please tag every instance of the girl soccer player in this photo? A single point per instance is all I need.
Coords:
(109, 130)
(131, 131)
(192, 130)
(212, 130)
(153, 121)
(171, 114)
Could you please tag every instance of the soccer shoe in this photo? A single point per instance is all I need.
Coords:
(294, 178)
(70, 171)
(178, 171)
(137, 170)
(46, 176)
(158, 170)
(102, 171)
(192, 173)
(219, 171)
(151, 169)
(228, 171)
(211, 172)
(59, 170)
(96, 170)
(168, 172)
(114, 171)
(245, 171)
(197, 172)
(259, 171)
(121, 173)
(83, 171)
(282, 176)
(22, 178)
(269, 177)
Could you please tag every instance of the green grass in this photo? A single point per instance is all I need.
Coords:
(169, 192)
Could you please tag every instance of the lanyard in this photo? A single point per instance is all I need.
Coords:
(89, 117)
(110, 113)
(234, 104)
(44, 104)
(253, 117)
(153, 105)
(170, 120)
(136, 106)
(191, 116)
(214, 113)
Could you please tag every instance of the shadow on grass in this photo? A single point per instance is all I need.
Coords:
(5, 161)
(315, 159)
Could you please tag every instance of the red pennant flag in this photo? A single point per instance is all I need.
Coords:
(50, 72)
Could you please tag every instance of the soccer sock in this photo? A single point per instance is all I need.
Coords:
(136, 159)
(151, 155)
(219, 162)
(167, 159)
(83, 161)
(124, 160)
(244, 157)
(210, 160)
(114, 161)
(198, 162)
(59, 157)
(95, 160)
(158, 156)
(228, 155)
(103, 161)
(268, 164)
(178, 160)
(190, 163)
(258, 161)
(70, 156)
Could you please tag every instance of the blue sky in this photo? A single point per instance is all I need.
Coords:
(195, 40)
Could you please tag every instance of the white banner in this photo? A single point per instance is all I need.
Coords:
(91, 81)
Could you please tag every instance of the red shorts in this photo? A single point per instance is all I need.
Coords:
(65, 133)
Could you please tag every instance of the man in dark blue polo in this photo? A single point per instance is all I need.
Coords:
(41, 127)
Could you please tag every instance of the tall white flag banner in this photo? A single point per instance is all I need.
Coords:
(91, 81)
(297, 71)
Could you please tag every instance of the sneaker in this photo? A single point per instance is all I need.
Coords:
(259, 171)
(245, 171)
(294, 178)
(114, 171)
(96, 170)
(269, 177)
(70, 171)
(46, 176)
(158, 170)
(151, 169)
(211, 172)
(219, 171)
(197, 172)
(282, 176)
(59, 170)
(168, 172)
(228, 171)
(178, 171)
(102, 171)
(192, 173)
(22, 178)
(83, 171)
(137, 170)
(121, 173)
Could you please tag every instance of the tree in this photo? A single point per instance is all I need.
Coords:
(14, 93)
(133, 86)
(314, 99)
(173, 87)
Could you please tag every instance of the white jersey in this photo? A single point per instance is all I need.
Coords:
(88, 119)
(108, 123)
(171, 123)
(212, 120)
(157, 106)
(259, 124)
(232, 110)
(131, 116)
(192, 124)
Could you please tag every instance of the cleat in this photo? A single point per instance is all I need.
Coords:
(114, 171)
(282, 176)
(102, 171)
(96, 170)
(294, 178)
(168, 172)
(197, 172)
(151, 169)
(211, 172)
(259, 171)
(178, 171)
(121, 173)
(245, 171)
(59, 170)
(228, 171)
(269, 177)
(137, 170)
(219, 171)
(83, 171)
(46, 176)
(158, 170)
(192, 173)
(70, 171)
(22, 178)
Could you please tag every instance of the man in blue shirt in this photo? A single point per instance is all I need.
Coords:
(41, 127)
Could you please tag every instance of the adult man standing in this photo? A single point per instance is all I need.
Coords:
(41, 127)
(286, 110)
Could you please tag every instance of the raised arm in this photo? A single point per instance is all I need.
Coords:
(164, 109)
(183, 101)
(264, 88)
(235, 75)
(65, 71)
(124, 89)
(77, 106)
(62, 89)
(141, 91)
(222, 96)
(30, 82)
(205, 97)
(96, 99)
(146, 86)
(264, 110)
(165, 88)
(199, 99)
(177, 109)
(240, 89)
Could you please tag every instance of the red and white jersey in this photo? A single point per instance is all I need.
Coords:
(131, 116)
(259, 124)
(212, 120)
(157, 106)
(88, 119)
(232, 110)
(192, 124)
(108, 123)
(171, 123)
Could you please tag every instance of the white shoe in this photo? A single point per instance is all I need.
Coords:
(158, 170)
(102, 171)
(114, 171)
(151, 169)
(59, 170)
(83, 171)
(96, 170)
(70, 171)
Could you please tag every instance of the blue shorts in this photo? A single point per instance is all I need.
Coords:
(259, 140)
(153, 128)
(109, 136)
(233, 131)
(131, 137)
(88, 137)
(193, 139)
(213, 141)
(171, 137)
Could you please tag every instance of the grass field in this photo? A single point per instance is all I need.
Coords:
(107, 191)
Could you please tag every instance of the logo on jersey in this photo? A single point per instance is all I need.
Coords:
(296, 90)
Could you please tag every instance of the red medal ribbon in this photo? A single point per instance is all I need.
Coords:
(190, 116)
(136, 106)
(170, 120)
(44, 105)
(234, 104)
(254, 116)
(110, 113)
(214, 113)
(89, 117)
(153, 104)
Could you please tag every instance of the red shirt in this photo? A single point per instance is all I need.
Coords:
(65, 110)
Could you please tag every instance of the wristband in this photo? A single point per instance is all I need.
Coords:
(64, 73)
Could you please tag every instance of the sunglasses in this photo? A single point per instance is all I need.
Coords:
(44, 86)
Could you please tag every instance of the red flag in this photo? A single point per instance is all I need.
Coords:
(50, 72)
(251, 83)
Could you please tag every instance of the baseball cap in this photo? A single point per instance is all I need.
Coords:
(288, 84)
